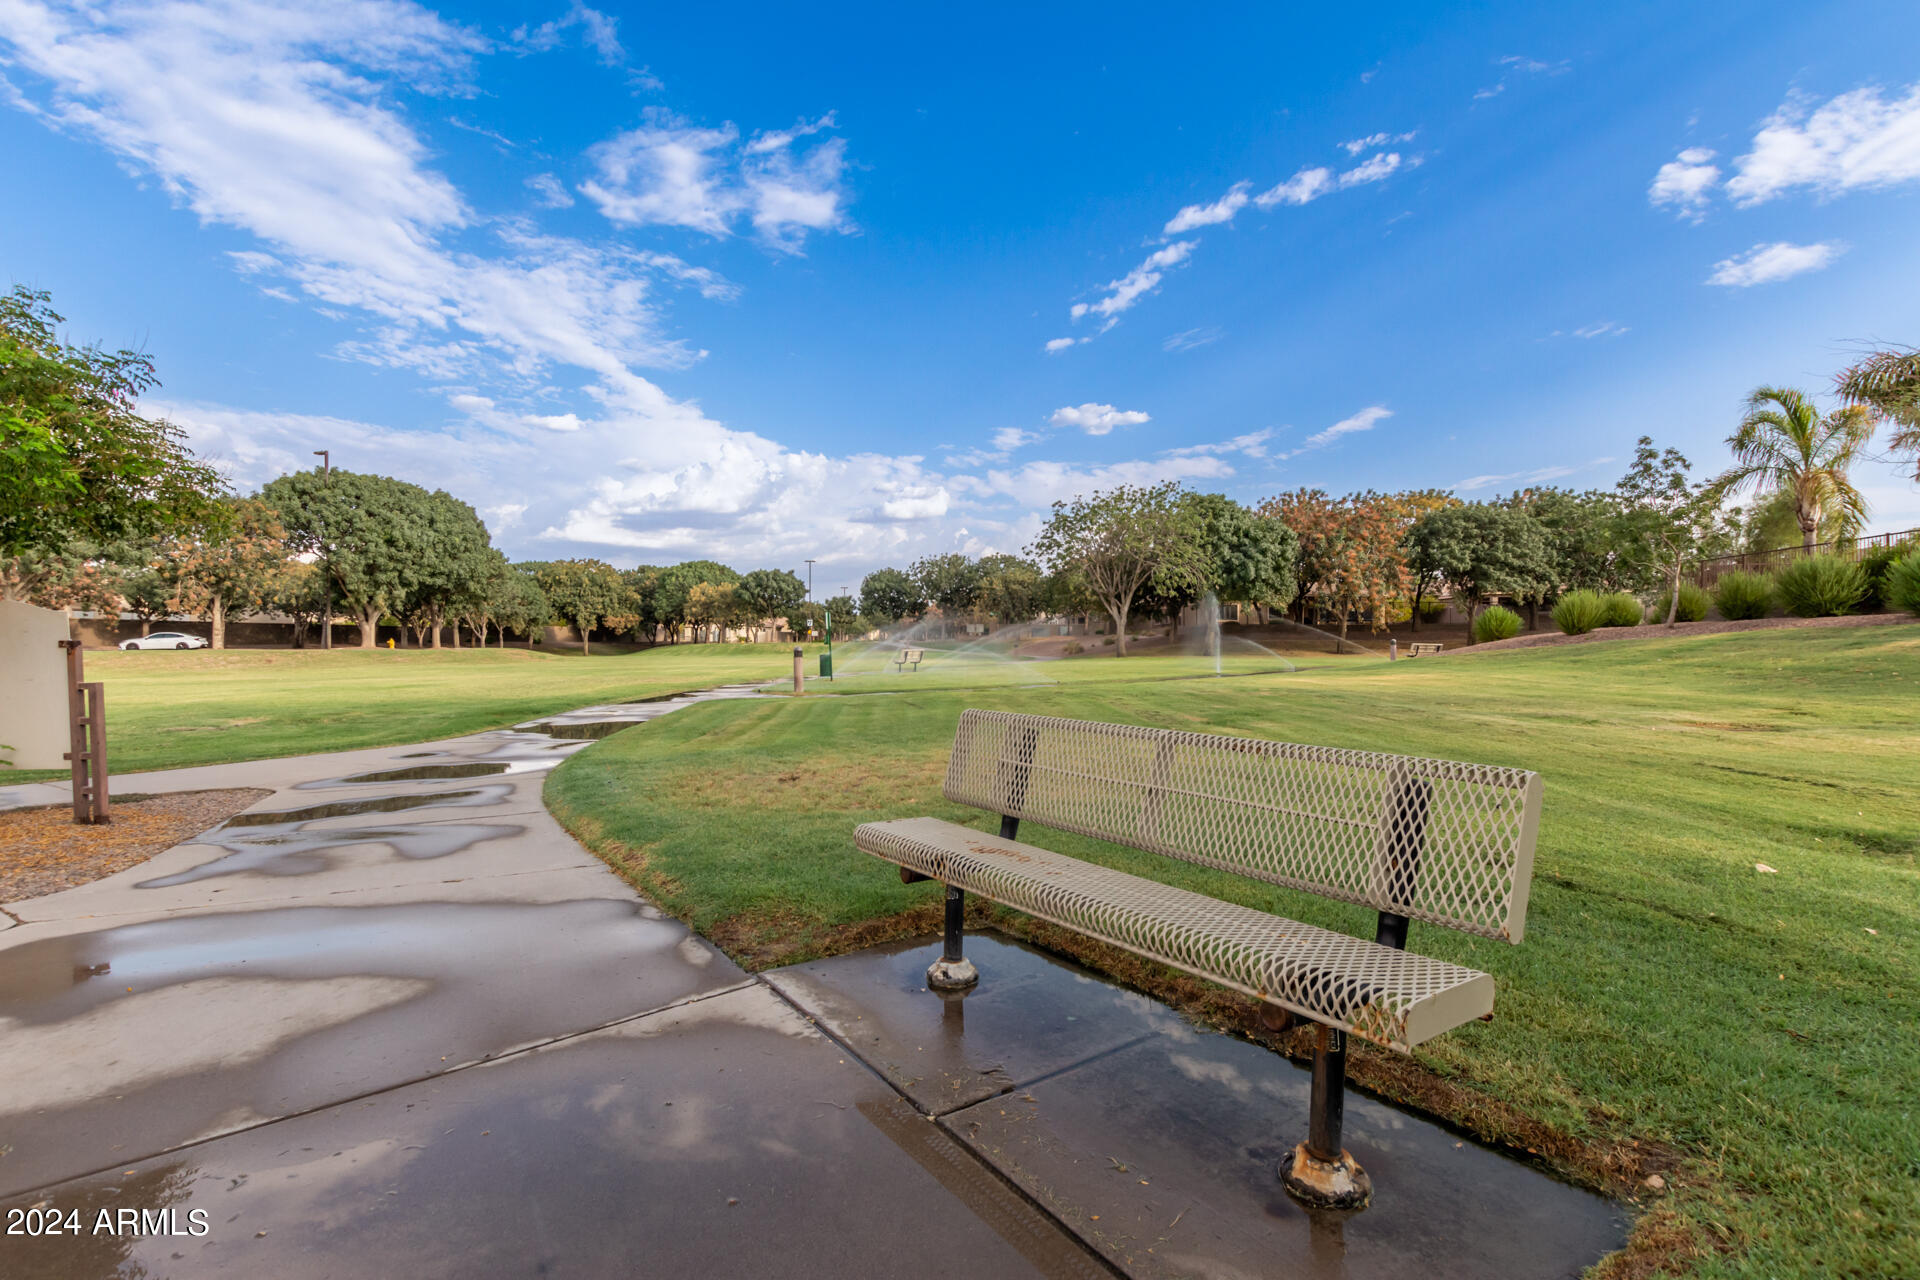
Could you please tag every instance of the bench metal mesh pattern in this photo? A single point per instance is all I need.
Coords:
(1394, 998)
(1451, 844)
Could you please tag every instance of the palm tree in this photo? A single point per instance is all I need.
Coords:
(1785, 443)
(1888, 382)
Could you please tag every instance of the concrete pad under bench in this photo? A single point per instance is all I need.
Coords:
(1157, 1142)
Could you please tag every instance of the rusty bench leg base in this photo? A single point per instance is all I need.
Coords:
(952, 975)
(1326, 1184)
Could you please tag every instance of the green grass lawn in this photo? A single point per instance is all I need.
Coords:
(1763, 1027)
(167, 709)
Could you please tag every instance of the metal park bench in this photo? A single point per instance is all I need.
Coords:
(914, 656)
(1417, 650)
(1410, 838)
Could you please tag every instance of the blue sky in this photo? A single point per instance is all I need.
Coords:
(652, 284)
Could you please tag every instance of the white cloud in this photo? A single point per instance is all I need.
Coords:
(1206, 215)
(1491, 91)
(1007, 439)
(1188, 339)
(1524, 479)
(1372, 140)
(1533, 66)
(1097, 419)
(599, 30)
(1136, 284)
(1372, 169)
(672, 173)
(1041, 483)
(1686, 182)
(1361, 421)
(1605, 329)
(1056, 345)
(1305, 185)
(1857, 141)
(1253, 444)
(1767, 263)
(548, 192)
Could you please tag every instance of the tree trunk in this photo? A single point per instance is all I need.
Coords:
(1533, 613)
(219, 619)
(1413, 619)
(1119, 614)
(1473, 609)
(1673, 605)
(368, 625)
(434, 625)
(585, 647)
(456, 632)
(146, 627)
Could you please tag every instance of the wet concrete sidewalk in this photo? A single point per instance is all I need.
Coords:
(393, 1019)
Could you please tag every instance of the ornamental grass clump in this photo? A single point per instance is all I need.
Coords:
(1903, 583)
(1497, 622)
(1692, 606)
(1742, 596)
(1579, 612)
(1623, 609)
(1822, 586)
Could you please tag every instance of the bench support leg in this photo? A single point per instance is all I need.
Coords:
(953, 971)
(1321, 1172)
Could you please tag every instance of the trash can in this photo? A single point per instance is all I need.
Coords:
(826, 666)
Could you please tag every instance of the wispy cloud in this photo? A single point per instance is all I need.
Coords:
(1372, 140)
(1605, 329)
(597, 29)
(1524, 479)
(1055, 346)
(1767, 263)
(672, 173)
(548, 192)
(1195, 216)
(1008, 439)
(1097, 419)
(1253, 445)
(1188, 339)
(1365, 420)
(1121, 294)
(1305, 185)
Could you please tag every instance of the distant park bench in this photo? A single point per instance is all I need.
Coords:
(914, 656)
(1420, 650)
(1413, 839)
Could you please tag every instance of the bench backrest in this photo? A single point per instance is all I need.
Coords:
(1450, 844)
(911, 655)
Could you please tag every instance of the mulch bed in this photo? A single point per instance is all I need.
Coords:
(44, 850)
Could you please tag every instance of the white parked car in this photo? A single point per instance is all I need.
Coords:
(165, 640)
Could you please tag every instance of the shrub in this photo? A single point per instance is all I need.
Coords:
(1692, 606)
(1579, 612)
(1878, 563)
(1496, 622)
(1740, 596)
(1903, 583)
(1072, 647)
(1623, 609)
(1822, 586)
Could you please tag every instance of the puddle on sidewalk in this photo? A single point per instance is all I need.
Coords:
(586, 730)
(422, 772)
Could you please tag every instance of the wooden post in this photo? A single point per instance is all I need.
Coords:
(86, 740)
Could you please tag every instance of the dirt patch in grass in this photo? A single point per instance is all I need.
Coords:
(43, 851)
(868, 785)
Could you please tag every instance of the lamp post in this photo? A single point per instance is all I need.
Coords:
(326, 571)
(809, 591)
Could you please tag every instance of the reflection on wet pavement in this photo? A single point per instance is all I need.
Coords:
(720, 1138)
(294, 850)
(354, 808)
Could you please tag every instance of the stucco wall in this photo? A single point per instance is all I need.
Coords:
(33, 687)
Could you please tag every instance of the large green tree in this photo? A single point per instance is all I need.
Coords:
(672, 599)
(374, 537)
(771, 593)
(1121, 542)
(231, 565)
(1786, 444)
(1009, 589)
(1479, 549)
(77, 461)
(584, 592)
(519, 604)
(888, 595)
(950, 581)
(459, 557)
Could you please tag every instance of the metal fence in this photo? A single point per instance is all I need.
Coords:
(1780, 557)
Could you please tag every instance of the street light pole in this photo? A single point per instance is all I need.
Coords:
(326, 571)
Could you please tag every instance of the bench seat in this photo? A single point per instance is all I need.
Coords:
(1393, 997)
